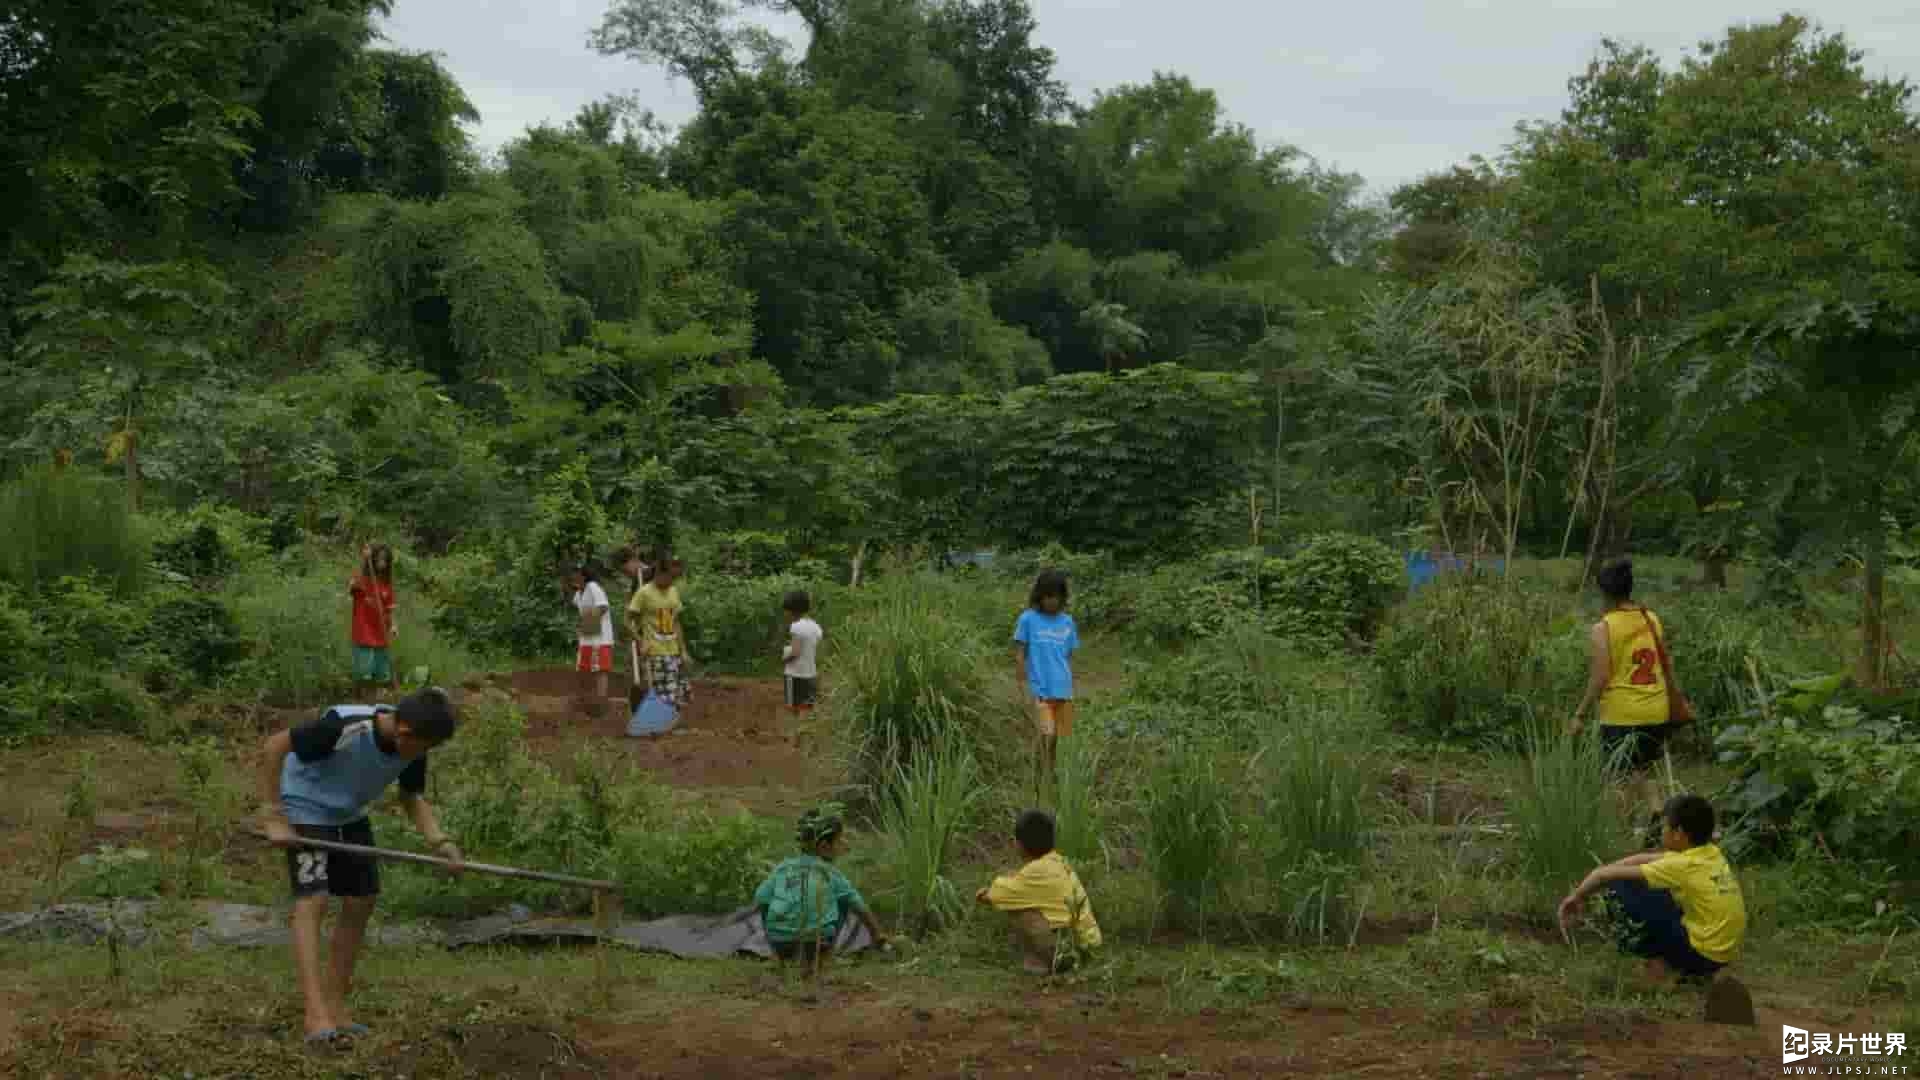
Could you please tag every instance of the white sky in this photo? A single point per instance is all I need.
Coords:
(1390, 89)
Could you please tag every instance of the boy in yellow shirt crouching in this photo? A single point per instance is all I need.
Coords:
(1679, 908)
(1044, 900)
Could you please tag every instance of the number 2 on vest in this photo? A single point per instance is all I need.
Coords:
(1645, 663)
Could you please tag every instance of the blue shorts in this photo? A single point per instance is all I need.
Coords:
(1650, 926)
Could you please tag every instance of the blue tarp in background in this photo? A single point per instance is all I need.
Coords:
(1425, 566)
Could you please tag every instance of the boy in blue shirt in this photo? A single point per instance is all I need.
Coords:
(316, 781)
(806, 899)
(1044, 639)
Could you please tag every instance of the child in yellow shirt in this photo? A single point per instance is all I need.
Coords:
(1681, 908)
(1043, 899)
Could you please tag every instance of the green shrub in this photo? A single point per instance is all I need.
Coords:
(515, 603)
(1192, 832)
(209, 541)
(748, 553)
(1175, 606)
(736, 623)
(1711, 638)
(191, 640)
(1333, 581)
(111, 873)
(296, 623)
(906, 674)
(66, 524)
(698, 863)
(1825, 762)
(1473, 660)
(588, 818)
(76, 642)
(1325, 590)
(922, 812)
(1564, 810)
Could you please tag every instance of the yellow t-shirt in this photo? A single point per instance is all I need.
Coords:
(1711, 905)
(1048, 885)
(1636, 693)
(654, 619)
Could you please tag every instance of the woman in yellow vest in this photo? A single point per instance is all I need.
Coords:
(1627, 679)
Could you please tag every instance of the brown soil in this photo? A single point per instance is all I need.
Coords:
(509, 1050)
(734, 734)
(1058, 1034)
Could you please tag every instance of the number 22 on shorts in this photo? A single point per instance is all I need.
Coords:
(311, 867)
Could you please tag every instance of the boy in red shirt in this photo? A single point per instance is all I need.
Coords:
(372, 592)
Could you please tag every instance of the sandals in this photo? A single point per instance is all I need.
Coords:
(331, 1036)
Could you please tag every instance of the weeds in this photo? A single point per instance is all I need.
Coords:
(77, 811)
(1191, 832)
(1565, 813)
(1315, 777)
(1079, 824)
(212, 803)
(911, 675)
(921, 814)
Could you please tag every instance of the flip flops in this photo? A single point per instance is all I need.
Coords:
(330, 1036)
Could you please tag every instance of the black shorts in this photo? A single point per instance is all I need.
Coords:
(801, 692)
(1646, 744)
(313, 872)
(1649, 924)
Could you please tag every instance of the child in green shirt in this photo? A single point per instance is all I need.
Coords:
(806, 899)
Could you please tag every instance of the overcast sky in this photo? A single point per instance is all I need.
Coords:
(1390, 89)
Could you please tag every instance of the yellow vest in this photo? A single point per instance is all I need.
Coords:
(1636, 693)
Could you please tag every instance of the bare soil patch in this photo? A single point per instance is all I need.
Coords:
(1059, 1034)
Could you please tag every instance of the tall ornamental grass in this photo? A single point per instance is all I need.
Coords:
(907, 675)
(1566, 813)
(1191, 833)
(1079, 819)
(922, 812)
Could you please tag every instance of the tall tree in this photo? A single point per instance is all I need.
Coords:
(1766, 195)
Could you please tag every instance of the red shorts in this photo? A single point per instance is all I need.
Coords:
(596, 658)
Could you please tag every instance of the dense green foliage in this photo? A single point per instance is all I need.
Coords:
(1824, 766)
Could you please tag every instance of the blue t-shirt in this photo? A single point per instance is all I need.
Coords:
(338, 767)
(1050, 640)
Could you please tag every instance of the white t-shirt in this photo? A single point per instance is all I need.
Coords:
(805, 647)
(593, 596)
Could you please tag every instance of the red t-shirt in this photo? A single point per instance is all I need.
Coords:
(372, 605)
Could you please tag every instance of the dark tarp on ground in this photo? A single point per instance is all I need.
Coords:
(249, 926)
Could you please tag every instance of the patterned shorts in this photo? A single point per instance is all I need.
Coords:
(668, 682)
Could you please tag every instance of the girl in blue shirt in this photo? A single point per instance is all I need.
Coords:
(1044, 639)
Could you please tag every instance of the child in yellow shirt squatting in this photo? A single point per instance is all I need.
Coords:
(1044, 899)
(1679, 908)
